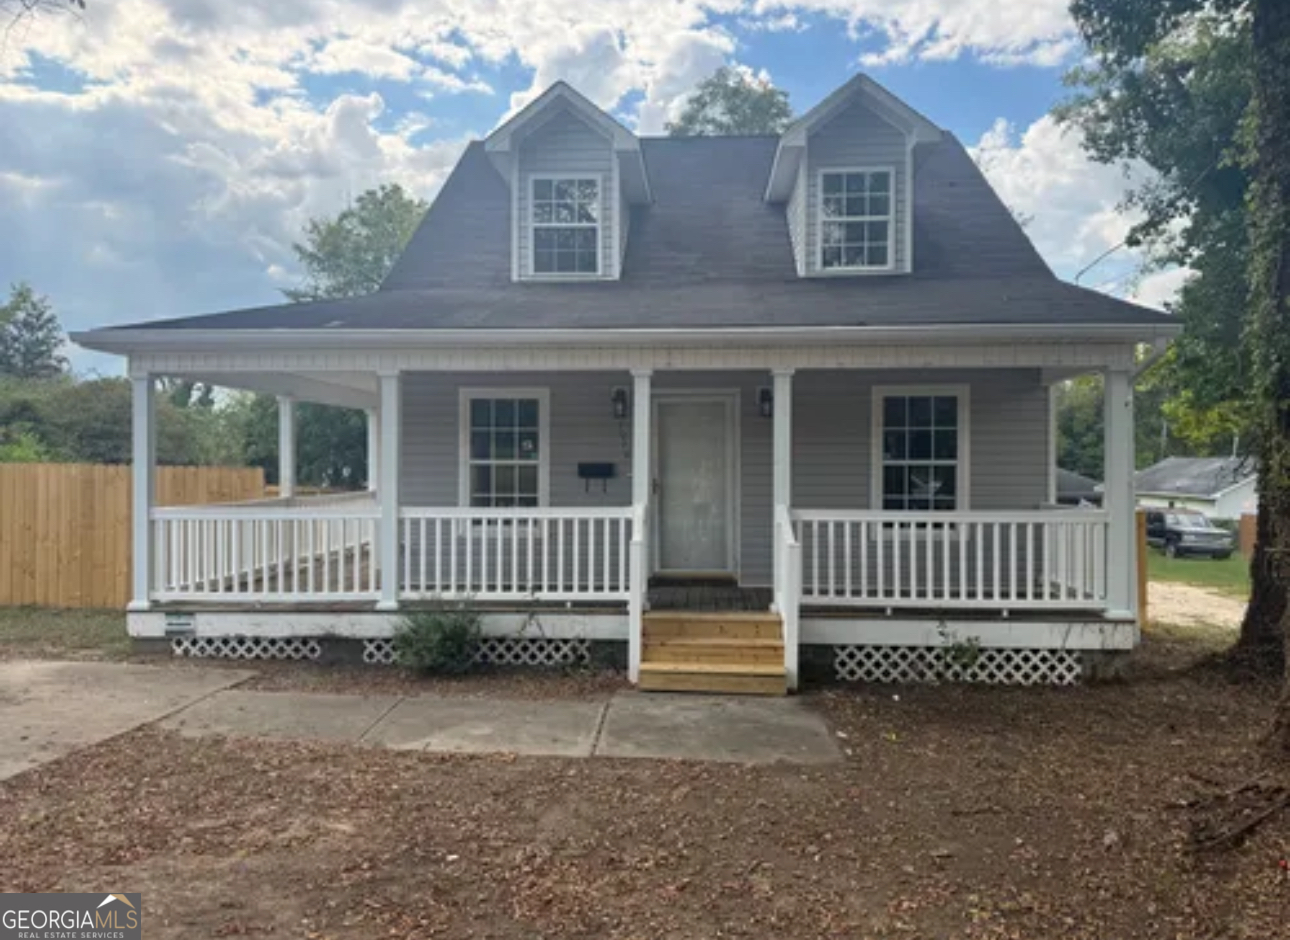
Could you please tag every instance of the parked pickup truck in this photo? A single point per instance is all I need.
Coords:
(1181, 532)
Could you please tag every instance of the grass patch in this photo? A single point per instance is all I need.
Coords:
(40, 631)
(1230, 576)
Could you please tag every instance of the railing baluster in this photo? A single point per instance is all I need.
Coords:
(978, 578)
(1030, 561)
(815, 559)
(1012, 561)
(864, 559)
(880, 551)
(528, 565)
(832, 553)
(454, 536)
(897, 559)
(423, 550)
(361, 535)
(559, 558)
(469, 586)
(605, 560)
(846, 559)
(546, 556)
(622, 555)
(946, 551)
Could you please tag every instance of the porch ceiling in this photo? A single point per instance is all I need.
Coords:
(343, 389)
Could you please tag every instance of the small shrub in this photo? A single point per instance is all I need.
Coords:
(441, 641)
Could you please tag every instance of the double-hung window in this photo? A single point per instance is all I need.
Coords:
(922, 449)
(565, 225)
(504, 448)
(856, 220)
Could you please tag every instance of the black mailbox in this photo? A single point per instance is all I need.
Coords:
(604, 472)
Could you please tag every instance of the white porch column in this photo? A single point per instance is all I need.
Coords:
(785, 596)
(1121, 552)
(143, 474)
(373, 448)
(388, 531)
(286, 446)
(1052, 444)
(642, 486)
(782, 459)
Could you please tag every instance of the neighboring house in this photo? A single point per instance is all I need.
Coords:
(1075, 489)
(1220, 487)
(720, 401)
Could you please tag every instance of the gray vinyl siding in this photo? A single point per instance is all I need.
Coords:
(832, 440)
(624, 223)
(856, 138)
(833, 436)
(796, 214)
(568, 145)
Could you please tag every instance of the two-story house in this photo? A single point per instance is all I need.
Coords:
(724, 402)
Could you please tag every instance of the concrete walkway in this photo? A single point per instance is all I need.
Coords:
(48, 709)
(631, 724)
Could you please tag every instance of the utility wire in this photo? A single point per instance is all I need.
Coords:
(1114, 248)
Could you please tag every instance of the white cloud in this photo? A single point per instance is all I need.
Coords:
(1072, 202)
(1012, 31)
(1072, 207)
(1160, 288)
(368, 58)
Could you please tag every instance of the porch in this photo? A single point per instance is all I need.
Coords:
(791, 517)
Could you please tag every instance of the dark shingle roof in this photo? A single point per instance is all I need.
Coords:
(1205, 477)
(1072, 487)
(709, 252)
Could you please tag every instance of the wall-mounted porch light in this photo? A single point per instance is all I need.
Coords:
(766, 401)
(619, 399)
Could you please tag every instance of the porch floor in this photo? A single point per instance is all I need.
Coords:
(707, 595)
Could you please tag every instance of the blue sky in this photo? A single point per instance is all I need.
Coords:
(157, 157)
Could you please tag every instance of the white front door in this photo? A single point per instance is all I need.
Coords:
(694, 484)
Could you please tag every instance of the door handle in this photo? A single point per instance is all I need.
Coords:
(654, 487)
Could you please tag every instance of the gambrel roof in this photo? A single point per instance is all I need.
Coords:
(710, 252)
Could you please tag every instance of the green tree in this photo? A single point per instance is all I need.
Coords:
(345, 256)
(331, 443)
(30, 336)
(1171, 84)
(89, 422)
(350, 254)
(730, 101)
(1177, 82)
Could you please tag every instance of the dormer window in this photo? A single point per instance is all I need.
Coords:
(856, 225)
(565, 223)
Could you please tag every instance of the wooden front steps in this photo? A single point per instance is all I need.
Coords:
(736, 651)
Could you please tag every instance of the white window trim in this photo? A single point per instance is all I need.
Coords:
(890, 266)
(465, 397)
(963, 476)
(599, 180)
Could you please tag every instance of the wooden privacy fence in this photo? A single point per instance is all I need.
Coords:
(65, 528)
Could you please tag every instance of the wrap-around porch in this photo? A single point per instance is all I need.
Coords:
(507, 542)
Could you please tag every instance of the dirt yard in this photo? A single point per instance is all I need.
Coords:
(981, 813)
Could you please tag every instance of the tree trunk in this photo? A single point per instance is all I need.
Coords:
(1269, 328)
(1261, 644)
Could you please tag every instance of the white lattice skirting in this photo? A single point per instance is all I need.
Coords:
(908, 664)
(503, 651)
(245, 647)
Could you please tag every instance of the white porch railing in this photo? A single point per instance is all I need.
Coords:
(512, 554)
(788, 588)
(992, 560)
(274, 550)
